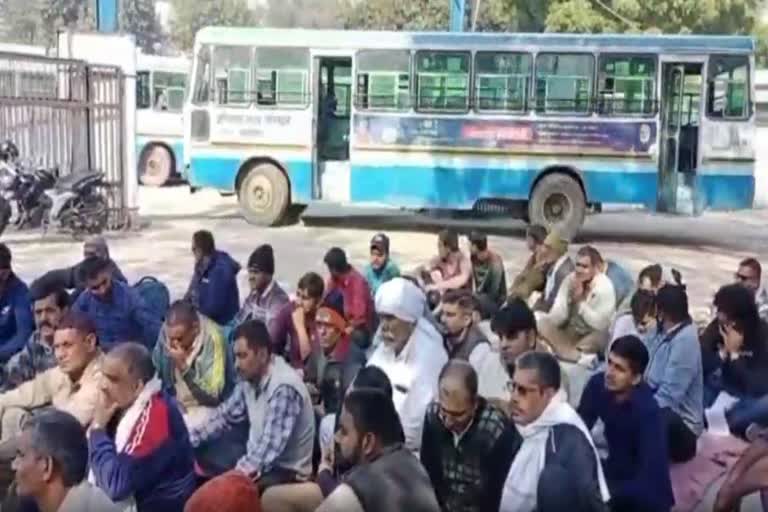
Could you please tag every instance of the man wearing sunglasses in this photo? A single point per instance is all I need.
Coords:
(750, 275)
(467, 445)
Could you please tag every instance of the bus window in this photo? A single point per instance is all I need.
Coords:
(728, 87)
(564, 82)
(202, 85)
(232, 71)
(442, 81)
(627, 85)
(383, 80)
(142, 90)
(168, 90)
(502, 81)
(282, 76)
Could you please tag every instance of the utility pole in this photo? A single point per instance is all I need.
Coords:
(106, 15)
(458, 12)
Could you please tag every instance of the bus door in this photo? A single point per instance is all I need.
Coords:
(682, 85)
(332, 104)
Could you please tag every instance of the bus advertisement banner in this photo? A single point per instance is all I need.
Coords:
(633, 138)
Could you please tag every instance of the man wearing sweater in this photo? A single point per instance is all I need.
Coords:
(16, 321)
(579, 320)
(637, 468)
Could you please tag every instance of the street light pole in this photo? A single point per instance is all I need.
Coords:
(106, 15)
(458, 11)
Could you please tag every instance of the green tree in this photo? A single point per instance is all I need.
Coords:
(189, 16)
(138, 18)
(396, 14)
(303, 14)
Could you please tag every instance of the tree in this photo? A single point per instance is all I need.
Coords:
(396, 14)
(189, 16)
(138, 18)
(303, 13)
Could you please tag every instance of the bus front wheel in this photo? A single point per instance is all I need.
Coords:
(155, 166)
(558, 203)
(264, 195)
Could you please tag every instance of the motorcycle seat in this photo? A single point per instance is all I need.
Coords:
(78, 180)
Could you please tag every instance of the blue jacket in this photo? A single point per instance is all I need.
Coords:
(125, 317)
(637, 468)
(157, 467)
(16, 320)
(214, 288)
(676, 375)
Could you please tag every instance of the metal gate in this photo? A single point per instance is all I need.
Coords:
(69, 114)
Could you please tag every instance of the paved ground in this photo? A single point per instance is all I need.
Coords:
(705, 249)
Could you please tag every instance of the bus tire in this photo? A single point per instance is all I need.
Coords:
(264, 195)
(155, 165)
(558, 203)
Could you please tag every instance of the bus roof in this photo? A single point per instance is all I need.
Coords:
(354, 39)
(162, 63)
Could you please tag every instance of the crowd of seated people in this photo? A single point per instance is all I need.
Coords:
(577, 388)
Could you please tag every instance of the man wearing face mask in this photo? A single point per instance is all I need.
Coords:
(139, 450)
(468, 444)
(49, 305)
(410, 352)
(385, 476)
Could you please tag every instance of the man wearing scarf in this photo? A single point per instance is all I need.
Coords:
(191, 360)
(557, 467)
(553, 257)
(410, 352)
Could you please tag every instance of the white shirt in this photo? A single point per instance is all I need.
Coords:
(414, 374)
(597, 309)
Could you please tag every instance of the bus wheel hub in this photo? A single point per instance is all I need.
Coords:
(261, 193)
(556, 207)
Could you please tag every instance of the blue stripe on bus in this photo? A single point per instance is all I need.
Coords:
(220, 172)
(726, 191)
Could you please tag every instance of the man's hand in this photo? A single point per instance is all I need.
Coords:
(299, 319)
(103, 412)
(725, 501)
(327, 459)
(733, 340)
(578, 290)
(179, 357)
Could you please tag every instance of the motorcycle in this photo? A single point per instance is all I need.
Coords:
(77, 204)
(23, 188)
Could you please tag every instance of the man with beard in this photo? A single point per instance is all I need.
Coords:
(380, 268)
(49, 305)
(294, 327)
(385, 476)
(16, 322)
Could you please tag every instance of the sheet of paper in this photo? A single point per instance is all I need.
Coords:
(716, 422)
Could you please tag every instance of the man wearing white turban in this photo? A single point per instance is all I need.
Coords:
(411, 353)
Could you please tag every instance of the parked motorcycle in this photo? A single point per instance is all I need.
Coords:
(77, 204)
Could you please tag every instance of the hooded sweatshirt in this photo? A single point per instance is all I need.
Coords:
(213, 288)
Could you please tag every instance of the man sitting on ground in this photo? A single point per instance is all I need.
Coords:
(385, 476)
(294, 327)
(274, 401)
(140, 454)
(639, 320)
(750, 275)
(578, 322)
(267, 297)
(450, 269)
(213, 287)
(557, 466)
(411, 353)
(553, 256)
(380, 268)
(675, 373)
(51, 464)
(489, 279)
(192, 363)
(358, 302)
(637, 467)
(533, 276)
(71, 386)
(463, 339)
(16, 322)
(119, 312)
(468, 444)
(49, 305)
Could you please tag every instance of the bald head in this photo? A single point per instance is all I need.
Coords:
(136, 359)
(459, 379)
(182, 312)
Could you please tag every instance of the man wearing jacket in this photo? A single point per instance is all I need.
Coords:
(16, 322)
(213, 288)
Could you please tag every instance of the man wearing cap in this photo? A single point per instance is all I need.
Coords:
(267, 297)
(358, 302)
(554, 254)
(410, 352)
(381, 268)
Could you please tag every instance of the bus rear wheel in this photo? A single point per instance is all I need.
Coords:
(558, 203)
(264, 195)
(155, 166)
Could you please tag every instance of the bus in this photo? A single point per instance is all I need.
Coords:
(761, 151)
(161, 84)
(548, 127)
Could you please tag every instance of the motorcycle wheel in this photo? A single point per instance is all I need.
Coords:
(87, 219)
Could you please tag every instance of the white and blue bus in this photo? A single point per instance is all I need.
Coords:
(549, 126)
(161, 84)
